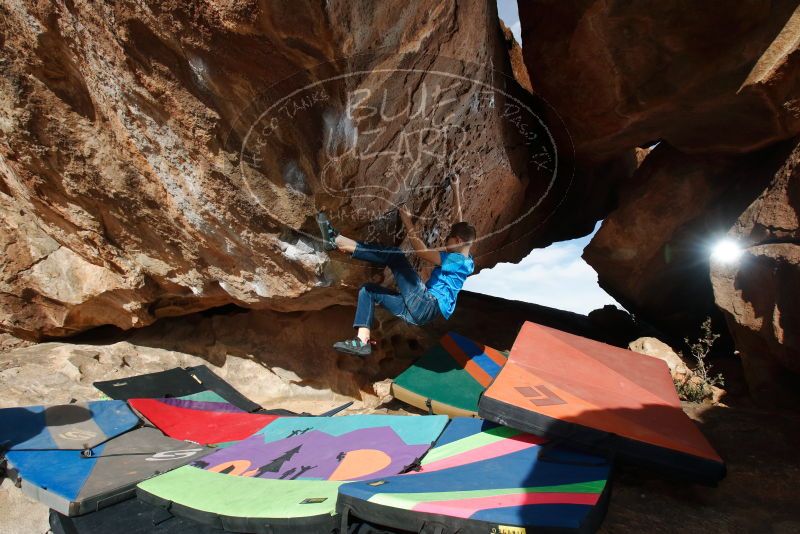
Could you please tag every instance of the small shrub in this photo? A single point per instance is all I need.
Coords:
(699, 385)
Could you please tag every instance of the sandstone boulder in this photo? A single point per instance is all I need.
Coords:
(20, 512)
(652, 253)
(691, 385)
(656, 348)
(517, 60)
(758, 294)
(160, 158)
(275, 358)
(8, 342)
(617, 325)
(703, 76)
(719, 87)
(60, 373)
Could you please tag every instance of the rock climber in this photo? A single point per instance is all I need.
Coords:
(415, 301)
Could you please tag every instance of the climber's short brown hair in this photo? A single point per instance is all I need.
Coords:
(464, 231)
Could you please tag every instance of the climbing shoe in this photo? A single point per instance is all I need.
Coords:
(354, 346)
(327, 232)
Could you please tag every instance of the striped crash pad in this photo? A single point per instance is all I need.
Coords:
(483, 478)
(286, 476)
(600, 397)
(450, 378)
(69, 426)
(204, 418)
(71, 483)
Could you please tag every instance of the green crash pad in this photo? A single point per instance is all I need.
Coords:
(237, 501)
(450, 378)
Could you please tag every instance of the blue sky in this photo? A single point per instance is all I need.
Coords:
(507, 9)
(555, 276)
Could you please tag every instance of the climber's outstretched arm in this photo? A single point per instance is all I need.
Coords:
(456, 185)
(420, 248)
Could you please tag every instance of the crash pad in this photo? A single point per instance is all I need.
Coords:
(285, 477)
(73, 482)
(67, 426)
(211, 421)
(136, 517)
(600, 397)
(449, 378)
(129, 517)
(483, 478)
(177, 382)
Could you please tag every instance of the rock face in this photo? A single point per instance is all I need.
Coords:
(278, 359)
(151, 165)
(652, 253)
(515, 56)
(658, 349)
(691, 385)
(719, 87)
(617, 325)
(701, 76)
(759, 294)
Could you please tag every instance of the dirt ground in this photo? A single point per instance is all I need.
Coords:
(760, 494)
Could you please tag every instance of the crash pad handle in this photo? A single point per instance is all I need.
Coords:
(345, 523)
(432, 527)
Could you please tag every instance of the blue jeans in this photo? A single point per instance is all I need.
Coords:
(414, 303)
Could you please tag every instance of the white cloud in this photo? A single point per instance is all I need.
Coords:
(555, 276)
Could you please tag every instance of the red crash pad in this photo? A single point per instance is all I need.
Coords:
(605, 398)
(201, 422)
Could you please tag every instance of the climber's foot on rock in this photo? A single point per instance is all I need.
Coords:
(354, 346)
(327, 232)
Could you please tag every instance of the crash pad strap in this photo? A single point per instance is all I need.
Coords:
(211, 381)
(344, 525)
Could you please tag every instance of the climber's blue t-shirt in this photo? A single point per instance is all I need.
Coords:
(447, 279)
